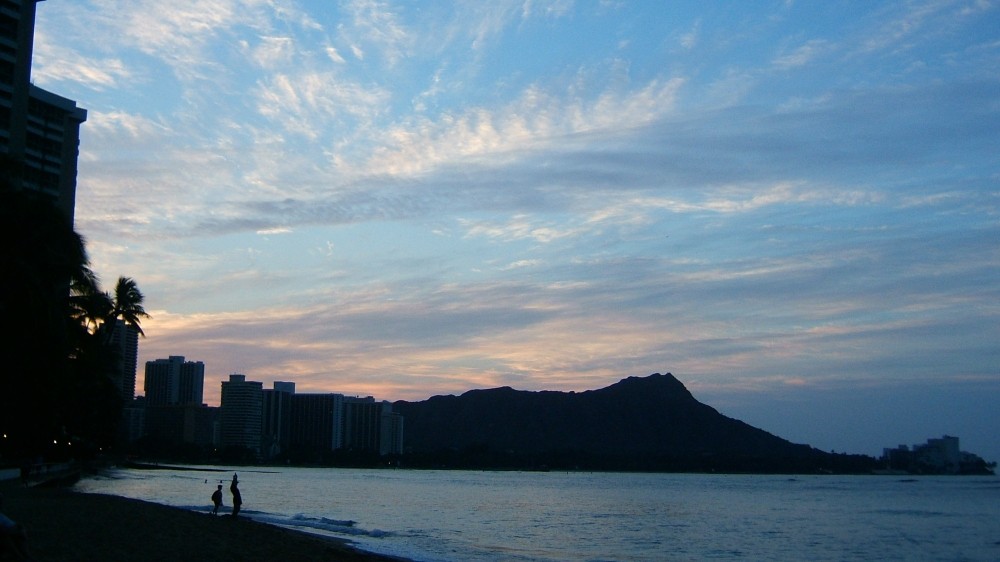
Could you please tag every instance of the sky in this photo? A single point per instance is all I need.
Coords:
(794, 207)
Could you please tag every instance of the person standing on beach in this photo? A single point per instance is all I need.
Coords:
(217, 499)
(237, 499)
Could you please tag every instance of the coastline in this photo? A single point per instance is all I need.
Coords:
(66, 526)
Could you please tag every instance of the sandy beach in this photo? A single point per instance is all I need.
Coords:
(65, 526)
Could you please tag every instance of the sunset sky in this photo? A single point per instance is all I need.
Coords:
(794, 207)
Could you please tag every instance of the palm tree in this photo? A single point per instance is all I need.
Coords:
(89, 307)
(126, 304)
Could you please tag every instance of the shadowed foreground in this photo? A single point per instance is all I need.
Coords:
(66, 526)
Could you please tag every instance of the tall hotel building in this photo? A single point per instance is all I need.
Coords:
(276, 424)
(174, 381)
(173, 408)
(241, 413)
(37, 127)
(316, 424)
(125, 341)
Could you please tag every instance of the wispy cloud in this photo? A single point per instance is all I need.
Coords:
(375, 23)
(538, 119)
(53, 64)
(801, 55)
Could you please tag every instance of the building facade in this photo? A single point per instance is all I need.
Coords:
(125, 342)
(362, 423)
(37, 127)
(276, 423)
(316, 428)
(241, 413)
(133, 423)
(174, 381)
(391, 433)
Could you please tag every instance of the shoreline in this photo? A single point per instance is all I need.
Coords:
(66, 526)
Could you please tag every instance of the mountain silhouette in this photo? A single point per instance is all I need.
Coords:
(639, 423)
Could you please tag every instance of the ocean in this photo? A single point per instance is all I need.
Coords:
(432, 516)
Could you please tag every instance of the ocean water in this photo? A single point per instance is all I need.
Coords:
(545, 516)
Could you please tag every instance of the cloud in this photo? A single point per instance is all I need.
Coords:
(273, 52)
(690, 39)
(521, 264)
(537, 120)
(109, 126)
(517, 228)
(906, 25)
(275, 230)
(802, 55)
(53, 64)
(736, 321)
(334, 55)
(374, 23)
(310, 103)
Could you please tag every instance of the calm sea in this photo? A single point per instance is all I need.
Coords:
(541, 516)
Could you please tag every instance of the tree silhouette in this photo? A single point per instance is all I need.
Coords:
(126, 304)
(54, 384)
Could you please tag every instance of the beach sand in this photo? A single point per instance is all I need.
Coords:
(65, 526)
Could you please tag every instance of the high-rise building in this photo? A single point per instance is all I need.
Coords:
(323, 423)
(277, 419)
(363, 423)
(37, 127)
(125, 342)
(240, 413)
(390, 433)
(174, 381)
(174, 412)
(133, 424)
(316, 424)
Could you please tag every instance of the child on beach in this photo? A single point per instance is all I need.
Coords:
(217, 499)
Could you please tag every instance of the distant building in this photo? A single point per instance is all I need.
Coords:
(363, 423)
(241, 413)
(276, 423)
(174, 381)
(133, 424)
(182, 423)
(391, 433)
(316, 427)
(173, 412)
(942, 454)
(125, 342)
(936, 456)
(324, 423)
(37, 127)
(201, 425)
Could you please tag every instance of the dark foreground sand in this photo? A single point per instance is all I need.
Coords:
(65, 526)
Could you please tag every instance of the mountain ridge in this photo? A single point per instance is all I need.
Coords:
(637, 423)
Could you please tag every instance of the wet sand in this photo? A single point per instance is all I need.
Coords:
(65, 526)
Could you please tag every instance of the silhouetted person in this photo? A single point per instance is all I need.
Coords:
(217, 499)
(237, 499)
(13, 537)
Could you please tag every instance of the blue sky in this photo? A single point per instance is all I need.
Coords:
(791, 206)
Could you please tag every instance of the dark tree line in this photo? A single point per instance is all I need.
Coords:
(56, 358)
